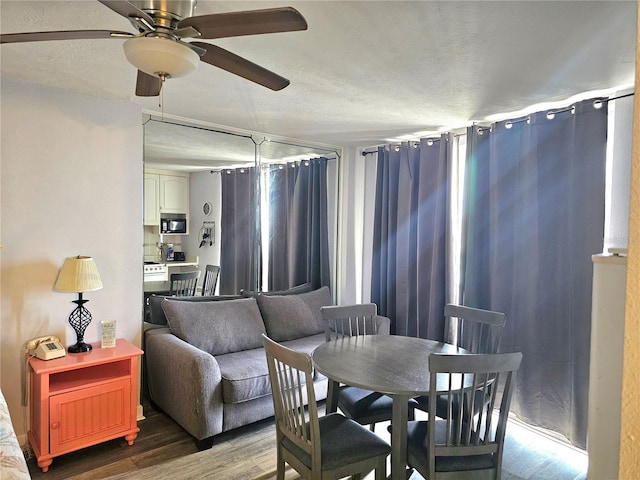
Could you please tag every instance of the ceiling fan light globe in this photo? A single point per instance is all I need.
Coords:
(160, 56)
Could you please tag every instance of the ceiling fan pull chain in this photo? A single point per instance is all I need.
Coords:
(161, 97)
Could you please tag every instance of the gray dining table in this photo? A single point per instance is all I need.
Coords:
(390, 364)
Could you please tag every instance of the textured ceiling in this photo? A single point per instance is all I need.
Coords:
(363, 73)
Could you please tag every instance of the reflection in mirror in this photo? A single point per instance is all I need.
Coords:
(185, 168)
(192, 148)
(299, 215)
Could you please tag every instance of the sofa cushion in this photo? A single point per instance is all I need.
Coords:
(293, 316)
(216, 327)
(156, 314)
(245, 375)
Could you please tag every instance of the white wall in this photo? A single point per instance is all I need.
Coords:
(616, 232)
(357, 187)
(204, 187)
(71, 183)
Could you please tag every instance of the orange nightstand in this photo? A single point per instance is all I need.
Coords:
(83, 399)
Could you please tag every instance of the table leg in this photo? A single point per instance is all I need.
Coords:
(333, 389)
(399, 437)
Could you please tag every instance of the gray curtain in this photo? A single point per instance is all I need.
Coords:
(238, 230)
(533, 216)
(298, 235)
(409, 245)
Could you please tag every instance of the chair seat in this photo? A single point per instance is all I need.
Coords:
(359, 403)
(442, 406)
(343, 442)
(418, 444)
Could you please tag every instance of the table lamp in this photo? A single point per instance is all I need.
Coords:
(79, 274)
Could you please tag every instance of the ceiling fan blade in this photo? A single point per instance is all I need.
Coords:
(62, 35)
(249, 22)
(148, 85)
(232, 63)
(130, 11)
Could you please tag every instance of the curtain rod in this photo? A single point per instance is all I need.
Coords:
(618, 97)
(623, 96)
(222, 169)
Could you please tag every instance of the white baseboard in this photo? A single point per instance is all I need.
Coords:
(139, 413)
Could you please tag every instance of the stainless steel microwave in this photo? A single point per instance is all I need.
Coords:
(173, 224)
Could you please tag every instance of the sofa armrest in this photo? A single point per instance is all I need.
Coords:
(185, 382)
(383, 325)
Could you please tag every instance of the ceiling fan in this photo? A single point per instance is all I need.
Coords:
(159, 51)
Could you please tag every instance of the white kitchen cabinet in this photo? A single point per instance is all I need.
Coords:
(164, 191)
(174, 193)
(151, 199)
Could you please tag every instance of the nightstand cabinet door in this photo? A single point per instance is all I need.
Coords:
(88, 416)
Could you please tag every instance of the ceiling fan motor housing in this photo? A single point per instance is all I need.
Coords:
(167, 13)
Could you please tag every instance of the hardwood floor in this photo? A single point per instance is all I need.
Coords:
(164, 451)
(160, 439)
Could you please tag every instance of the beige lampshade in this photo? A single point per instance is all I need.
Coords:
(78, 274)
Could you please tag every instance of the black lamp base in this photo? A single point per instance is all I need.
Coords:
(79, 347)
(80, 319)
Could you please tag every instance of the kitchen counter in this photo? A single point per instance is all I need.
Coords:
(159, 288)
(186, 263)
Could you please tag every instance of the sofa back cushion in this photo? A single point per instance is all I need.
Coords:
(294, 316)
(156, 313)
(216, 327)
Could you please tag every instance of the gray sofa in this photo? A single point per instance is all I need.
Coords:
(204, 362)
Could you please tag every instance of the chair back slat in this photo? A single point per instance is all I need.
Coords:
(183, 284)
(210, 280)
(349, 320)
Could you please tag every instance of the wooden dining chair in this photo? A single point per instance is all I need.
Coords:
(475, 330)
(183, 284)
(472, 448)
(328, 447)
(211, 273)
(363, 406)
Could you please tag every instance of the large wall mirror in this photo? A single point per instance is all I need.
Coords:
(187, 168)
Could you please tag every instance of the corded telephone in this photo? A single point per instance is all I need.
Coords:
(46, 348)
